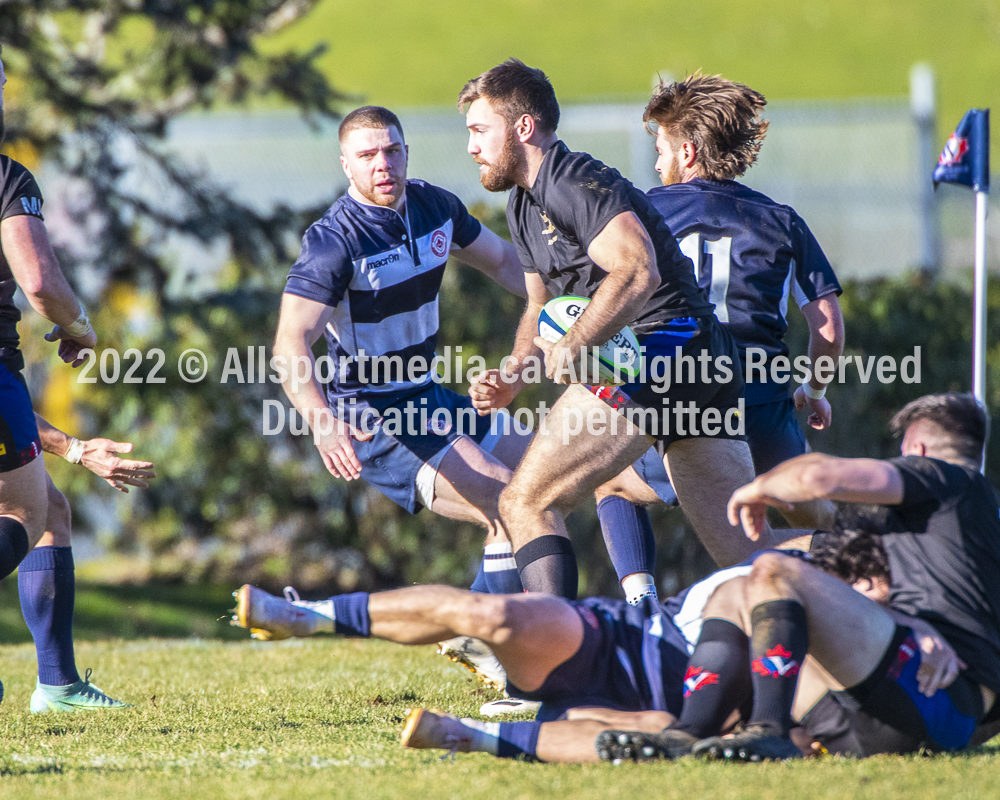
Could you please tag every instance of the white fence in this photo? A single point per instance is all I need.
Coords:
(851, 169)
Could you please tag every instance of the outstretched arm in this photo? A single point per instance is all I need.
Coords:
(495, 258)
(100, 456)
(814, 476)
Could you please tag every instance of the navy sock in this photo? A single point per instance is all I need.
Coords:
(350, 613)
(480, 585)
(778, 645)
(628, 536)
(13, 545)
(548, 564)
(46, 584)
(717, 680)
(517, 739)
(501, 569)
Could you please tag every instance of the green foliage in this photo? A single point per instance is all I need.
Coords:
(321, 718)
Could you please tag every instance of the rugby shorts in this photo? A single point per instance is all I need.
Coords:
(403, 464)
(886, 713)
(694, 336)
(19, 442)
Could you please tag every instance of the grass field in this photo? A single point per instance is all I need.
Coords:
(321, 718)
(398, 52)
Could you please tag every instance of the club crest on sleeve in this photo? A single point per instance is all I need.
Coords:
(776, 663)
(439, 243)
(697, 678)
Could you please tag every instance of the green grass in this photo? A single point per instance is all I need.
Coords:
(321, 718)
(398, 52)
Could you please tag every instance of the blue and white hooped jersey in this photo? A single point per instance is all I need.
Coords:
(381, 273)
(752, 255)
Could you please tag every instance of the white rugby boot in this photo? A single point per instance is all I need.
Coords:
(509, 705)
(270, 618)
(477, 657)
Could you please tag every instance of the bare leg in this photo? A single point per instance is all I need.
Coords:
(565, 462)
(24, 497)
(530, 634)
(468, 485)
(58, 519)
(571, 741)
(848, 633)
(705, 472)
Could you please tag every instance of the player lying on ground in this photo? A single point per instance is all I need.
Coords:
(752, 255)
(45, 579)
(886, 693)
(594, 664)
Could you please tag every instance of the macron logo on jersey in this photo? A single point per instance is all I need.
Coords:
(32, 205)
(392, 258)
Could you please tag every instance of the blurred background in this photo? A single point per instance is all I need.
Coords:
(183, 148)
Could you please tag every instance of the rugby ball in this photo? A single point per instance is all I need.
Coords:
(619, 358)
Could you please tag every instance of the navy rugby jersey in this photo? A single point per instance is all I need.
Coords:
(750, 253)
(19, 196)
(651, 653)
(574, 197)
(381, 274)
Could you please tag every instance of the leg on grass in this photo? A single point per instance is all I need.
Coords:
(530, 634)
(571, 741)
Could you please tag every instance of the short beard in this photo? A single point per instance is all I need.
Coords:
(501, 176)
(673, 174)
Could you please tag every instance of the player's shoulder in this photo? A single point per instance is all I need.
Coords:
(565, 170)
(14, 173)
(432, 197)
(719, 190)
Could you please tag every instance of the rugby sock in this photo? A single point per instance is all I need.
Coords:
(46, 584)
(350, 614)
(629, 538)
(778, 645)
(717, 680)
(548, 564)
(13, 545)
(504, 739)
(480, 585)
(502, 576)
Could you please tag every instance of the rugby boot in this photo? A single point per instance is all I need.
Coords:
(475, 656)
(619, 746)
(755, 743)
(79, 696)
(322, 607)
(270, 618)
(509, 705)
(428, 730)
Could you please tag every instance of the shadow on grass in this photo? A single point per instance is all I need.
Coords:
(133, 612)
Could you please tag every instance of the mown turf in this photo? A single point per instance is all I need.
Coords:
(398, 52)
(321, 718)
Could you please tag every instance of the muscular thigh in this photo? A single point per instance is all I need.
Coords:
(545, 632)
(582, 443)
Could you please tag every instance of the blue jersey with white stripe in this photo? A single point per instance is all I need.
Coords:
(751, 254)
(651, 654)
(380, 270)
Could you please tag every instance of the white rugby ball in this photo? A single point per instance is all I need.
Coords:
(619, 358)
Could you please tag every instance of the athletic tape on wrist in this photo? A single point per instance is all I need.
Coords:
(81, 327)
(813, 394)
(75, 451)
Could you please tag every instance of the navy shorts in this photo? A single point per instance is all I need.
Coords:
(774, 434)
(19, 442)
(886, 713)
(401, 460)
(687, 384)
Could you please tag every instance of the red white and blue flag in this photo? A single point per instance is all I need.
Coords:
(776, 663)
(966, 156)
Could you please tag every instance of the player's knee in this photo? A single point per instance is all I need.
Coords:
(513, 501)
(771, 568)
(613, 488)
(59, 521)
(491, 618)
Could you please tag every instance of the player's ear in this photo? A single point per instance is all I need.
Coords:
(347, 168)
(525, 128)
(689, 154)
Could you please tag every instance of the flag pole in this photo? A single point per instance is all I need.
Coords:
(979, 315)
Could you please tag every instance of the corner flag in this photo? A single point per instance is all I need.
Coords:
(966, 155)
